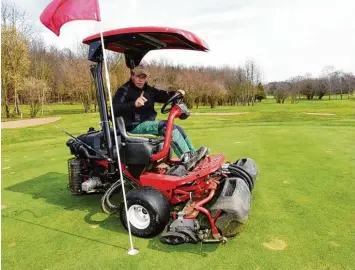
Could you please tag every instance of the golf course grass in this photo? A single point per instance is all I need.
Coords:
(303, 202)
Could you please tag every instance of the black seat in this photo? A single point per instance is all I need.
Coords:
(135, 138)
(138, 148)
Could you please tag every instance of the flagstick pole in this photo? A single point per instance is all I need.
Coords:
(132, 250)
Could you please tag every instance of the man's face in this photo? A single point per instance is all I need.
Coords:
(139, 80)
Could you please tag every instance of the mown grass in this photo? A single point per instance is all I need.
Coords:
(335, 104)
(304, 196)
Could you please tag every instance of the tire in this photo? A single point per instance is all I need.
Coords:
(148, 210)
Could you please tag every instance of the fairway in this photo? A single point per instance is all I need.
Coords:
(303, 202)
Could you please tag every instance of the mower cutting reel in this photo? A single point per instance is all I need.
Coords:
(205, 202)
(227, 214)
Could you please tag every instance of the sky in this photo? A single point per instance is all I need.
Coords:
(284, 37)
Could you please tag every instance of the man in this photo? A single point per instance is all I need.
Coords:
(134, 101)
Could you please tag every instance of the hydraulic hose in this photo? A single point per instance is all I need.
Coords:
(106, 205)
(243, 174)
(86, 153)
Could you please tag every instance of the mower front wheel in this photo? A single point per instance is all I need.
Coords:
(148, 212)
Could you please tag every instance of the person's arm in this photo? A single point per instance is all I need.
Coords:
(121, 104)
(162, 96)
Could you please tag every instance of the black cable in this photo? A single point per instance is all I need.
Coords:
(240, 168)
(240, 172)
(247, 178)
(239, 175)
(80, 141)
(106, 205)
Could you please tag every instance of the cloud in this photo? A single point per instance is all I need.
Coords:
(285, 37)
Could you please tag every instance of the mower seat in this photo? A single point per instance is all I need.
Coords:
(137, 149)
(135, 138)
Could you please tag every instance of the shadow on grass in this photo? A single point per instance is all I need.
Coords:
(52, 188)
(67, 233)
(196, 249)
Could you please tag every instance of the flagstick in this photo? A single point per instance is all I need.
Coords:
(132, 250)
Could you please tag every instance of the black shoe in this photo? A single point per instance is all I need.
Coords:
(202, 152)
(189, 159)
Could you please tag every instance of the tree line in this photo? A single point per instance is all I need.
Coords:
(332, 82)
(35, 74)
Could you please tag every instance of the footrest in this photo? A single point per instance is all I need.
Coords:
(200, 154)
(178, 170)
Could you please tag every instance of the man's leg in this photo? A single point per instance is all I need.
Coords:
(178, 143)
(162, 126)
(201, 152)
(151, 127)
(147, 127)
(186, 138)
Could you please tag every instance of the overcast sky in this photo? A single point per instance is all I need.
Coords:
(285, 37)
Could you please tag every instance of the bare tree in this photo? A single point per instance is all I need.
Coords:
(14, 50)
(349, 83)
(252, 74)
(14, 65)
(295, 88)
(308, 88)
(320, 87)
(280, 90)
(327, 74)
(12, 16)
(36, 91)
(341, 83)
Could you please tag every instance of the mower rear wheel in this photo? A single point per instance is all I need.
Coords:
(138, 216)
(148, 212)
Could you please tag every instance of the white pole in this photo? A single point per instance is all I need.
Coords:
(132, 250)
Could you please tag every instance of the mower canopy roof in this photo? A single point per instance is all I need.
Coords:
(136, 42)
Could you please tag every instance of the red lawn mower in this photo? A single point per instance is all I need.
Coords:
(206, 203)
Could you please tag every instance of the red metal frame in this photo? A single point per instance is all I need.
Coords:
(166, 183)
(195, 205)
(178, 189)
(174, 113)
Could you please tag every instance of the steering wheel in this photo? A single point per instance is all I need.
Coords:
(175, 99)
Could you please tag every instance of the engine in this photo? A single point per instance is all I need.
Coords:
(85, 177)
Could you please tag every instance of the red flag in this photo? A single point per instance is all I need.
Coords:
(59, 12)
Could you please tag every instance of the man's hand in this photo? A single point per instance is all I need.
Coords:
(140, 101)
(181, 91)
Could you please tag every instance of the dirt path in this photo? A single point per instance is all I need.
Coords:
(29, 122)
(42, 121)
